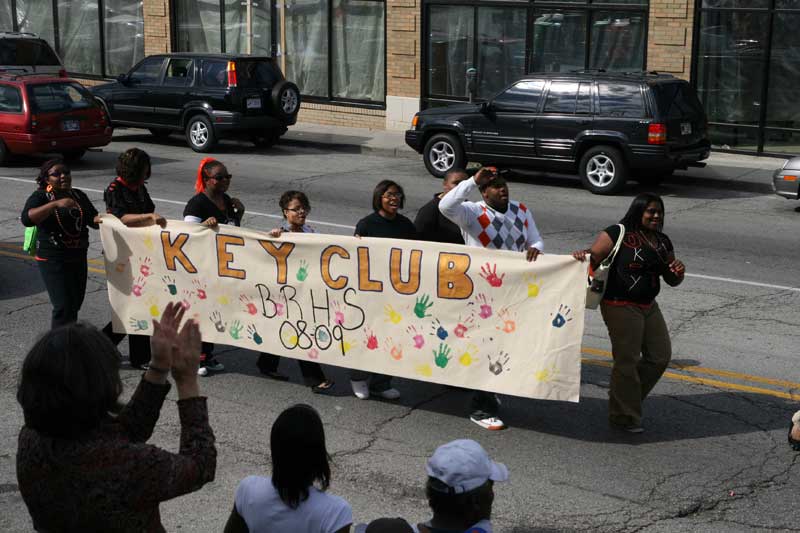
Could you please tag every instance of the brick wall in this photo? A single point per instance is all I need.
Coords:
(403, 57)
(354, 117)
(156, 27)
(669, 46)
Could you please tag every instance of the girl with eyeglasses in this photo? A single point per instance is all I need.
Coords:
(639, 337)
(386, 222)
(295, 208)
(62, 216)
(210, 207)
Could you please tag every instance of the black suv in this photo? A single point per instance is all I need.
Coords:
(608, 125)
(206, 96)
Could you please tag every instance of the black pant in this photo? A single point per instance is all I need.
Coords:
(484, 405)
(138, 345)
(66, 285)
(312, 372)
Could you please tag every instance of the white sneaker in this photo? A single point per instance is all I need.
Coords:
(202, 371)
(492, 423)
(390, 394)
(360, 389)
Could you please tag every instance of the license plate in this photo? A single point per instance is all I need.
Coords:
(686, 128)
(71, 125)
(254, 103)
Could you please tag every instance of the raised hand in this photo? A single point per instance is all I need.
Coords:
(164, 341)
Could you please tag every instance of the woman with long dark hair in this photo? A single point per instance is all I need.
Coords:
(386, 222)
(83, 462)
(295, 207)
(640, 341)
(62, 216)
(293, 499)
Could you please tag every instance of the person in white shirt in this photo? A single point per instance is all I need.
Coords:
(293, 499)
(496, 223)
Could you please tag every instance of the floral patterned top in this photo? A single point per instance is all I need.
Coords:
(110, 480)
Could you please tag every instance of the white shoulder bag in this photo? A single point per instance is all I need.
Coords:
(597, 281)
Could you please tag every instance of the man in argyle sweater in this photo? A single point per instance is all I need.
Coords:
(495, 223)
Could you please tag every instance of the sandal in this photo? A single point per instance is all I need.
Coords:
(323, 387)
(795, 444)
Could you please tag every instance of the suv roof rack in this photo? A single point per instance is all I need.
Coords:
(19, 34)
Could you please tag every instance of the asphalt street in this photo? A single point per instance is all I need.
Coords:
(714, 455)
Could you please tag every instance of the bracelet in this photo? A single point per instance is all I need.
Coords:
(164, 371)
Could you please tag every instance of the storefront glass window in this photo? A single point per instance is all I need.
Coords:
(198, 25)
(358, 49)
(6, 20)
(617, 41)
(450, 49)
(306, 45)
(501, 48)
(78, 25)
(124, 35)
(784, 74)
(559, 41)
(36, 16)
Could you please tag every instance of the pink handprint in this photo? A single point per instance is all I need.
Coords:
(419, 340)
(489, 273)
(138, 286)
(460, 330)
(338, 315)
(249, 306)
(144, 268)
(372, 340)
(200, 289)
(279, 309)
(485, 306)
(186, 295)
(313, 353)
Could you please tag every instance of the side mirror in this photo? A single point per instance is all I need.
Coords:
(486, 107)
(123, 79)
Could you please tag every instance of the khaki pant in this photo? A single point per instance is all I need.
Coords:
(642, 350)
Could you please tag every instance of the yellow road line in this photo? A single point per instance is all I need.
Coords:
(712, 371)
(604, 353)
(711, 382)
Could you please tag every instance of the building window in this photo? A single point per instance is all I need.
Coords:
(334, 50)
(94, 38)
(502, 43)
(745, 72)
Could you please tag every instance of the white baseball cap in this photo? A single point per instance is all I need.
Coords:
(463, 465)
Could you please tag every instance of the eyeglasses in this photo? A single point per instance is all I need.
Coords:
(57, 173)
(393, 195)
(653, 211)
(221, 177)
(297, 210)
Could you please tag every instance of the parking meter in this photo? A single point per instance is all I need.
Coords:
(472, 76)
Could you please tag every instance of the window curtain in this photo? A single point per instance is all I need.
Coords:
(79, 31)
(450, 54)
(236, 27)
(358, 49)
(198, 25)
(36, 16)
(124, 35)
(306, 45)
(617, 41)
(501, 48)
(6, 20)
(262, 29)
(559, 42)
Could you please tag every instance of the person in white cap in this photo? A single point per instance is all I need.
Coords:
(460, 490)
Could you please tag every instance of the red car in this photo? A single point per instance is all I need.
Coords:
(44, 114)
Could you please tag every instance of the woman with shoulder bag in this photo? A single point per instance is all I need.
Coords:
(640, 341)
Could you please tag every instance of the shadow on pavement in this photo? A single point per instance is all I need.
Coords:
(20, 277)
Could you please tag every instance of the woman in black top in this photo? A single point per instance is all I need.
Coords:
(384, 222)
(62, 215)
(639, 338)
(127, 199)
(212, 206)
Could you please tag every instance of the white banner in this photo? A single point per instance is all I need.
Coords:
(462, 316)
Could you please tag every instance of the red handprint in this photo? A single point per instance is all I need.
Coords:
(248, 304)
(461, 329)
(372, 340)
(200, 289)
(138, 286)
(144, 268)
(489, 273)
(485, 306)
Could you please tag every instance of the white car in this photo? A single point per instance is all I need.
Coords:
(25, 52)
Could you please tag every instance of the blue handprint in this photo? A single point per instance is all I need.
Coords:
(438, 330)
(252, 333)
(562, 317)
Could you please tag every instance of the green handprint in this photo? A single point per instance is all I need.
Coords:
(423, 304)
(441, 359)
(302, 273)
(236, 330)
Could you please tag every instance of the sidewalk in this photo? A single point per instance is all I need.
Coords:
(730, 171)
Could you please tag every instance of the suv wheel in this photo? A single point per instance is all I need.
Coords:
(160, 133)
(285, 99)
(200, 134)
(603, 170)
(443, 152)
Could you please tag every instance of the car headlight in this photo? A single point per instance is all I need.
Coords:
(415, 121)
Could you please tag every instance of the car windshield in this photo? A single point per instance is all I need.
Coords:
(53, 97)
(257, 73)
(677, 100)
(20, 52)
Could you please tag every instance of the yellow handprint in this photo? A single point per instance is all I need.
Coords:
(223, 300)
(534, 285)
(468, 357)
(424, 370)
(155, 311)
(148, 243)
(546, 374)
(391, 315)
